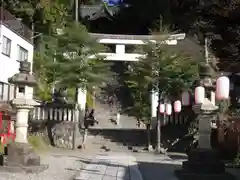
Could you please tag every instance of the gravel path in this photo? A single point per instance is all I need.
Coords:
(63, 165)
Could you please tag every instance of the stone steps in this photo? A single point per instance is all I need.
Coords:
(104, 144)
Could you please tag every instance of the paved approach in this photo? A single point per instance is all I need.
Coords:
(111, 167)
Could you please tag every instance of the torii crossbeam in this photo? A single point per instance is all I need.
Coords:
(122, 40)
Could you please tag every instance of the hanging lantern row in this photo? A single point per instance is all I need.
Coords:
(167, 108)
(177, 106)
(222, 93)
(162, 108)
(199, 94)
(222, 90)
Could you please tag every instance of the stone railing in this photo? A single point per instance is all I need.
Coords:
(56, 121)
(52, 113)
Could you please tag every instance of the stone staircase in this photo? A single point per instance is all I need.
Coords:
(117, 137)
(108, 135)
(106, 116)
(117, 140)
(100, 143)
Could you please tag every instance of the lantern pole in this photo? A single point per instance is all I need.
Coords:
(160, 98)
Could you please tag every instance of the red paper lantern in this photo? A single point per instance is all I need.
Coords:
(177, 106)
(162, 108)
(185, 98)
(168, 109)
(222, 88)
(199, 94)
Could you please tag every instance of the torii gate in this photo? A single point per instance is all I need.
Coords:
(119, 55)
(122, 40)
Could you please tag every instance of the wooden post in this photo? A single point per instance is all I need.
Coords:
(75, 126)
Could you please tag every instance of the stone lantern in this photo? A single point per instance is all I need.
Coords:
(20, 153)
(203, 162)
(23, 81)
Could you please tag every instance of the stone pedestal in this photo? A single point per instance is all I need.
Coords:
(204, 163)
(21, 125)
(204, 131)
(22, 154)
(22, 159)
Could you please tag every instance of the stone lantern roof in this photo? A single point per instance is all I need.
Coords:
(23, 77)
(206, 70)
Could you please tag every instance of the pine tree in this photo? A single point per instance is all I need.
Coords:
(219, 21)
(71, 63)
(160, 70)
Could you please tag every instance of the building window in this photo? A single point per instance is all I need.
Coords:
(11, 91)
(1, 90)
(6, 46)
(23, 54)
(4, 91)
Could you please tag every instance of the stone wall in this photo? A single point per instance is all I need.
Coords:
(55, 133)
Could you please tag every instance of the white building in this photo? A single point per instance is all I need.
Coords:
(15, 46)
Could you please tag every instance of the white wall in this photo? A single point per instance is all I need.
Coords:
(9, 65)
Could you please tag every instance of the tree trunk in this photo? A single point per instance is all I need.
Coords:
(149, 137)
(85, 133)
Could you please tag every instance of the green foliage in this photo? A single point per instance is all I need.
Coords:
(90, 99)
(174, 72)
(51, 63)
(37, 142)
(236, 160)
(160, 68)
(47, 17)
(71, 93)
(43, 75)
(71, 65)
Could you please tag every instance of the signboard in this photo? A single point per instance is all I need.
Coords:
(113, 2)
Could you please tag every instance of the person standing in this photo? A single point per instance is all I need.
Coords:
(89, 120)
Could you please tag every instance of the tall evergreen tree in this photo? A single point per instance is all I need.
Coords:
(71, 64)
(161, 71)
(219, 21)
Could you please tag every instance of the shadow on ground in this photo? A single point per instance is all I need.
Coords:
(139, 137)
(110, 170)
(158, 170)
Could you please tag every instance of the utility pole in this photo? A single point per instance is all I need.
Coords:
(206, 49)
(76, 10)
(76, 109)
(158, 148)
